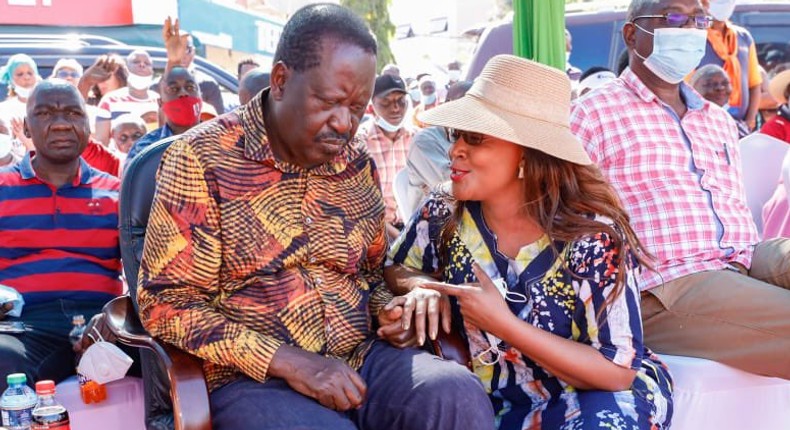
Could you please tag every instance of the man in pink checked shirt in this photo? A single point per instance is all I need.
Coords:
(717, 292)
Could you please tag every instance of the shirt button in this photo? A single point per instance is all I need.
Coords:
(308, 220)
(319, 281)
(312, 259)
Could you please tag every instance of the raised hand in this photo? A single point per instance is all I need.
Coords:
(176, 43)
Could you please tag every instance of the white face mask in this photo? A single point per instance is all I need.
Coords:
(567, 56)
(429, 100)
(415, 94)
(676, 52)
(104, 362)
(139, 82)
(23, 92)
(721, 10)
(386, 126)
(454, 75)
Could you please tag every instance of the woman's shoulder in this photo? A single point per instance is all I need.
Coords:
(596, 246)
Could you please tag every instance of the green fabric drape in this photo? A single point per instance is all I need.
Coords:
(539, 31)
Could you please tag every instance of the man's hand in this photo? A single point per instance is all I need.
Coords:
(328, 380)
(18, 129)
(99, 324)
(423, 303)
(176, 43)
(100, 71)
(391, 325)
(5, 308)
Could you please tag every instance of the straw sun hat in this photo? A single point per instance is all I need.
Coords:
(519, 101)
(778, 85)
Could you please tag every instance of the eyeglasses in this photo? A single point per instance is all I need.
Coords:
(677, 20)
(63, 74)
(469, 137)
(124, 137)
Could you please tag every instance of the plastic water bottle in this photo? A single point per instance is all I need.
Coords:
(49, 413)
(17, 403)
(90, 390)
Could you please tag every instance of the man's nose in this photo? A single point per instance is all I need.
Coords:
(341, 120)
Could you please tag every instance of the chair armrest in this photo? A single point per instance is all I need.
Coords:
(188, 389)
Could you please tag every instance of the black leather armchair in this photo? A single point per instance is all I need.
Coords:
(176, 396)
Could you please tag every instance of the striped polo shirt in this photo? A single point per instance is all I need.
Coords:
(59, 243)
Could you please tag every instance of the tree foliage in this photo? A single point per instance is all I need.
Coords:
(376, 14)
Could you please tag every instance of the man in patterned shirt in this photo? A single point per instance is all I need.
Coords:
(716, 292)
(264, 254)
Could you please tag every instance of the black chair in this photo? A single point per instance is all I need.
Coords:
(176, 396)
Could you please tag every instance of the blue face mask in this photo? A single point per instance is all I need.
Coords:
(428, 100)
(676, 52)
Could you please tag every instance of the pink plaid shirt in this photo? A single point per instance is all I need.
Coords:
(390, 157)
(679, 179)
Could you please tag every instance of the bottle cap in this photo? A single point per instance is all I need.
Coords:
(16, 378)
(45, 387)
(78, 320)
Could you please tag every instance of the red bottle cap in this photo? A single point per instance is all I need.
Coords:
(45, 387)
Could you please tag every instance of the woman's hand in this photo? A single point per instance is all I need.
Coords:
(422, 304)
(482, 305)
(391, 327)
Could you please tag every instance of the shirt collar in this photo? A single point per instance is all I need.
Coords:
(83, 177)
(693, 100)
(257, 147)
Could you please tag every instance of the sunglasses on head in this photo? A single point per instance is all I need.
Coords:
(677, 20)
(472, 138)
(66, 74)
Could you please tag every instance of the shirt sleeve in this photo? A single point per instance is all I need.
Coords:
(418, 245)
(614, 330)
(583, 127)
(103, 112)
(775, 128)
(755, 78)
(180, 272)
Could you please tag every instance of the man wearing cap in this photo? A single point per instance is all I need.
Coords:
(388, 138)
(593, 78)
(716, 291)
(779, 126)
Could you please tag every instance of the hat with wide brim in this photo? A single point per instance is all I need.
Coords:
(778, 85)
(516, 100)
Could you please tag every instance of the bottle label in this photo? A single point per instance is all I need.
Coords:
(17, 417)
(51, 426)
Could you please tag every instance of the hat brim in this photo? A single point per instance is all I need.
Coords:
(385, 93)
(778, 85)
(470, 113)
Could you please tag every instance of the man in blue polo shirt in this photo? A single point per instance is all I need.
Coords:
(58, 236)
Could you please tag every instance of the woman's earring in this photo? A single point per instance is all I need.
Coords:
(521, 171)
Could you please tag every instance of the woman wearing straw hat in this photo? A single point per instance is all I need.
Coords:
(779, 126)
(540, 257)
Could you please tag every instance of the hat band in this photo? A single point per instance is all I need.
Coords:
(532, 105)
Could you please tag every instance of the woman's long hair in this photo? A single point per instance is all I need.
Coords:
(560, 196)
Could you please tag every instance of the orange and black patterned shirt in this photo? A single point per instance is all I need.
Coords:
(245, 252)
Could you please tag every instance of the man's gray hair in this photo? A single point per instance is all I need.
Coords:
(641, 7)
(705, 72)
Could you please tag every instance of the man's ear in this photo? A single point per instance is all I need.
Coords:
(279, 76)
(629, 35)
(25, 128)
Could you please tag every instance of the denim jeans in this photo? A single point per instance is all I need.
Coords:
(407, 389)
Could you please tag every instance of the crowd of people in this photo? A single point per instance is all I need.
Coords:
(314, 244)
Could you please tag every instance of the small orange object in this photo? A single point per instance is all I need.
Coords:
(91, 391)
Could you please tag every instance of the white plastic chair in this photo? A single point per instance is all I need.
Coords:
(404, 195)
(761, 164)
